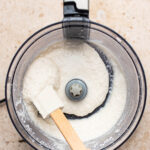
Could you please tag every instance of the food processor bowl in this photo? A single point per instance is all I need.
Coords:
(105, 40)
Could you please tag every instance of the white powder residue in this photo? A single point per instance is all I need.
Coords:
(41, 73)
(78, 60)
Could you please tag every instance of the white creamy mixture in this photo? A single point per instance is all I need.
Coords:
(76, 60)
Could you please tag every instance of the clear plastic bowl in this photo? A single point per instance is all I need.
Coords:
(101, 36)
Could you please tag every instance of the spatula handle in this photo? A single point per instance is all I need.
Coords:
(67, 131)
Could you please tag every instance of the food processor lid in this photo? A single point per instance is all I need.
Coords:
(75, 25)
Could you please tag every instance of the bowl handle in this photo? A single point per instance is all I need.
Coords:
(76, 8)
(76, 19)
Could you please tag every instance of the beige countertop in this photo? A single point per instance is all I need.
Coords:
(21, 18)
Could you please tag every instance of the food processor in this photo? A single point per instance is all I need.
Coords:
(107, 43)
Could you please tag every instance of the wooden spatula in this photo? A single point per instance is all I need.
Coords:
(67, 131)
(48, 103)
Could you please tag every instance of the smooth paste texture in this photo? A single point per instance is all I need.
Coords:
(77, 60)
